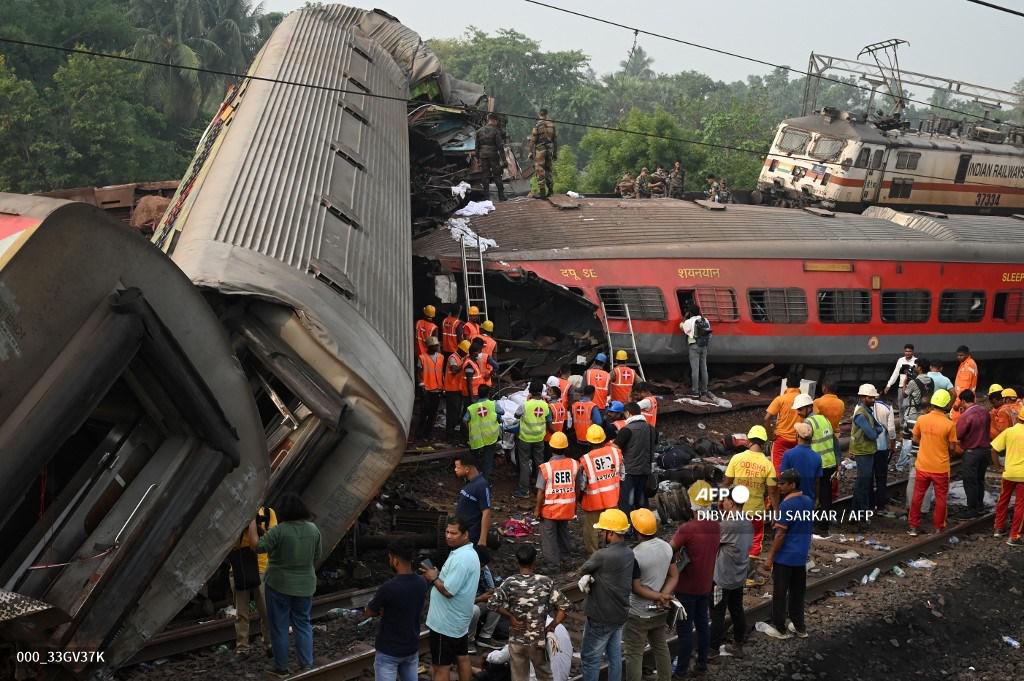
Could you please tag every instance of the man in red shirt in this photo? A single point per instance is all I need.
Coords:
(699, 538)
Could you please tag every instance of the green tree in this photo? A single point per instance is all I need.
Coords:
(740, 127)
(21, 118)
(565, 171)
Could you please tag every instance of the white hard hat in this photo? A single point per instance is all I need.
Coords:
(553, 382)
(802, 400)
(867, 390)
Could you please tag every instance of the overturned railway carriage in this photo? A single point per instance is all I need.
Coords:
(131, 450)
(294, 217)
(778, 285)
(837, 160)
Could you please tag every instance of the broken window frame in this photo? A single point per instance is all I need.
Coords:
(958, 306)
(717, 303)
(1008, 306)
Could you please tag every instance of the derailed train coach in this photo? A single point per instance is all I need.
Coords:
(131, 450)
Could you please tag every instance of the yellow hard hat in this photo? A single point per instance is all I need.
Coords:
(595, 434)
(559, 441)
(1010, 392)
(644, 521)
(429, 311)
(995, 388)
(697, 497)
(464, 346)
(621, 356)
(473, 311)
(941, 398)
(612, 520)
(757, 433)
(487, 325)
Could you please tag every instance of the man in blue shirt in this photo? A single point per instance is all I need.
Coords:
(939, 380)
(804, 461)
(452, 592)
(474, 503)
(787, 558)
(399, 603)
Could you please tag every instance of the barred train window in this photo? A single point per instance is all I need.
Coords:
(906, 307)
(644, 302)
(1009, 306)
(863, 157)
(794, 141)
(907, 160)
(901, 188)
(844, 306)
(777, 305)
(827, 148)
(718, 304)
(962, 306)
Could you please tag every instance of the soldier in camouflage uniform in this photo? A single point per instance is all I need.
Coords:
(526, 599)
(675, 181)
(625, 186)
(490, 149)
(642, 186)
(659, 181)
(544, 149)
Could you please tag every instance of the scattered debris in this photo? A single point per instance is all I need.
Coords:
(922, 564)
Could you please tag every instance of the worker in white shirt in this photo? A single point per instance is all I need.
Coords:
(903, 372)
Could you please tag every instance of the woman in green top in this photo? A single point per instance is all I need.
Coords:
(293, 547)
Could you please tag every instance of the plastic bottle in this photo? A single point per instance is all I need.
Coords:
(874, 575)
(1012, 642)
(334, 613)
(898, 571)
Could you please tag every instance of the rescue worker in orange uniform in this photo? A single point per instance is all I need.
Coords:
(600, 379)
(614, 419)
(454, 388)
(1009, 408)
(623, 377)
(450, 331)
(966, 373)
(488, 353)
(830, 406)
(781, 409)
(430, 369)
(648, 402)
(559, 414)
(473, 376)
(585, 413)
(425, 328)
(597, 488)
(471, 328)
(998, 419)
(556, 500)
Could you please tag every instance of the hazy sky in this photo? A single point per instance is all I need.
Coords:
(951, 38)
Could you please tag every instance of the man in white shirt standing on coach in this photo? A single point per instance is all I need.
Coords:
(903, 372)
(697, 330)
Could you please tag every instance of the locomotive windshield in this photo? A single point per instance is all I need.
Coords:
(794, 141)
(826, 148)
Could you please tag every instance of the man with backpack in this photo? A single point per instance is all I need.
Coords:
(916, 394)
(698, 336)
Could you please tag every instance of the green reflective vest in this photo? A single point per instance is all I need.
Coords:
(534, 422)
(484, 428)
(861, 444)
(822, 439)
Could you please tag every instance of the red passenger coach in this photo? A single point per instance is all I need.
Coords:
(781, 285)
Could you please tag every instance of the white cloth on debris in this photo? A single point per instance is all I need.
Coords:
(461, 231)
(461, 188)
(475, 208)
(572, 195)
(560, 660)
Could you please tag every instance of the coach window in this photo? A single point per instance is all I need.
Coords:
(907, 160)
(906, 307)
(844, 306)
(777, 305)
(794, 141)
(827, 148)
(642, 302)
(1008, 307)
(717, 303)
(863, 157)
(876, 159)
(901, 188)
(962, 306)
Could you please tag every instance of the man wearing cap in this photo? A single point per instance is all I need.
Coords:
(534, 417)
(600, 379)
(1011, 443)
(973, 430)
(885, 445)
(753, 470)
(699, 536)
(654, 582)
(614, 419)
(623, 377)
(804, 460)
(824, 444)
(430, 369)
(998, 420)
(864, 436)
(556, 500)
(608, 581)
(471, 328)
(1009, 407)
(597, 486)
(781, 409)
(559, 415)
(585, 413)
(488, 352)
(454, 379)
(936, 435)
(636, 442)
(425, 328)
(787, 559)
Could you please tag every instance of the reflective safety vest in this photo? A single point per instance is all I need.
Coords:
(822, 439)
(484, 428)
(558, 414)
(432, 372)
(559, 488)
(450, 334)
(861, 444)
(602, 467)
(534, 422)
(563, 385)
(622, 383)
(582, 418)
(490, 345)
(600, 379)
(620, 424)
(424, 330)
(651, 415)
(470, 330)
(477, 376)
(454, 379)
(486, 370)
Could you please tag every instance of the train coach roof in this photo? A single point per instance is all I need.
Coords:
(607, 228)
(954, 227)
(865, 132)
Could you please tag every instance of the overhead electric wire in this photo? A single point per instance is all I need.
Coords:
(736, 55)
(363, 93)
(994, 6)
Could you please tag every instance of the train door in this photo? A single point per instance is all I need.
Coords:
(686, 298)
(873, 176)
(961, 170)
